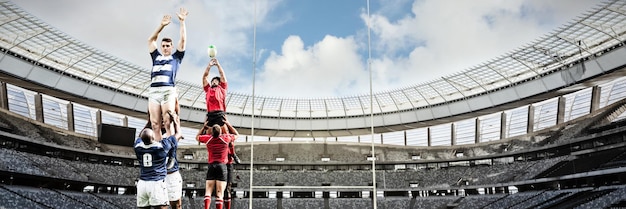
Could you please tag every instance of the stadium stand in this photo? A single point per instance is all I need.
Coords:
(561, 160)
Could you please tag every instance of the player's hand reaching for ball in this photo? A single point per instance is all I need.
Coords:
(214, 62)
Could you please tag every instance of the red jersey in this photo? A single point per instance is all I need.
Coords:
(217, 147)
(216, 97)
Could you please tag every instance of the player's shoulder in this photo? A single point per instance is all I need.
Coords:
(228, 138)
(171, 140)
(155, 53)
(179, 54)
(204, 138)
(137, 142)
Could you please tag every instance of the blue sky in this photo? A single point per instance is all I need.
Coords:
(316, 49)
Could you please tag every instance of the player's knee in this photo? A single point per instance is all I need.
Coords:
(154, 121)
(166, 119)
(171, 115)
(156, 126)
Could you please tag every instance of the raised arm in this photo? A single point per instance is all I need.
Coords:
(231, 129)
(221, 71)
(202, 131)
(152, 41)
(182, 14)
(174, 119)
(205, 76)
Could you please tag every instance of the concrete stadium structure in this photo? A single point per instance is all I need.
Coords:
(573, 57)
(550, 103)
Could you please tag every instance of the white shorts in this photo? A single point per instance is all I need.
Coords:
(151, 193)
(174, 183)
(162, 94)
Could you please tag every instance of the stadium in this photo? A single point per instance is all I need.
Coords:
(539, 127)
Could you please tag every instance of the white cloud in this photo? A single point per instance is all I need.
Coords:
(330, 66)
(434, 39)
(444, 39)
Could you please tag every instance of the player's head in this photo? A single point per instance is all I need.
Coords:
(215, 81)
(146, 135)
(216, 130)
(166, 46)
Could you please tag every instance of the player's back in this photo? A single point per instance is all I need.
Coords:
(152, 160)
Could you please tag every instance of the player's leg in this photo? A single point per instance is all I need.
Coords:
(228, 190)
(174, 189)
(167, 123)
(178, 204)
(222, 119)
(210, 183)
(219, 193)
(220, 184)
(175, 117)
(208, 191)
(143, 200)
(177, 110)
(154, 110)
(158, 194)
(169, 104)
(149, 125)
(155, 98)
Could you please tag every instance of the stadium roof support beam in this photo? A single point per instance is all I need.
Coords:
(54, 50)
(69, 66)
(127, 79)
(104, 70)
(452, 83)
(616, 10)
(498, 72)
(436, 91)
(600, 29)
(472, 78)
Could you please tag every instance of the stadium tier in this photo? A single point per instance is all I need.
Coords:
(537, 131)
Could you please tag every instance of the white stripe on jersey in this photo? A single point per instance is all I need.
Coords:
(220, 139)
(159, 68)
(160, 79)
(142, 145)
(161, 57)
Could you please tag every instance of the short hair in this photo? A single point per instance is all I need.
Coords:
(145, 136)
(216, 78)
(169, 40)
(216, 130)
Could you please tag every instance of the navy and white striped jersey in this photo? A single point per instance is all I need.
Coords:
(164, 68)
(153, 158)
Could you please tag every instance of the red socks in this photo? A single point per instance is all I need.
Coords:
(227, 204)
(219, 204)
(207, 202)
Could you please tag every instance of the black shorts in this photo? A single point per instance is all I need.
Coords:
(215, 117)
(217, 171)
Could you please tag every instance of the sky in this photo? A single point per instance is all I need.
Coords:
(315, 49)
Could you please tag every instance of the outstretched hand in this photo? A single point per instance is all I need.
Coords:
(213, 62)
(167, 19)
(182, 14)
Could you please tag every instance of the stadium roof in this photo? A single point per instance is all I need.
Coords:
(591, 33)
